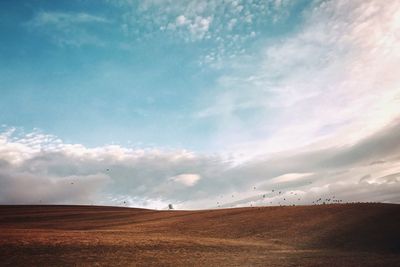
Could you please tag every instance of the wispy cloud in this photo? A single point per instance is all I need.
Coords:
(62, 19)
(332, 82)
(68, 28)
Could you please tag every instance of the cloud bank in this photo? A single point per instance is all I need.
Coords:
(37, 168)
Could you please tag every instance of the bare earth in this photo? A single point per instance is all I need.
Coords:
(325, 235)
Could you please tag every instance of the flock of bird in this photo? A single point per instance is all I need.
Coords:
(290, 200)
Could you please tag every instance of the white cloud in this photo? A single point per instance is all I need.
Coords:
(187, 179)
(192, 29)
(232, 23)
(200, 27)
(181, 20)
(290, 177)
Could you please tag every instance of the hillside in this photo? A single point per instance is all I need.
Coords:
(325, 235)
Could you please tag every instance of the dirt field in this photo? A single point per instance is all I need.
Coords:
(326, 235)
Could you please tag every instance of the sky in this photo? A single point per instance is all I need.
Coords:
(201, 104)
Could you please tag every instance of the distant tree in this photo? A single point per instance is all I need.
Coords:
(170, 207)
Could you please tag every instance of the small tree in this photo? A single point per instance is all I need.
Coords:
(170, 207)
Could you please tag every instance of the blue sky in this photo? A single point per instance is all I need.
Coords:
(74, 67)
(210, 89)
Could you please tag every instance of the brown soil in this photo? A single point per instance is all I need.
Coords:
(325, 235)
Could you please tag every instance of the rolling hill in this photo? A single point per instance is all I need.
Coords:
(323, 235)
